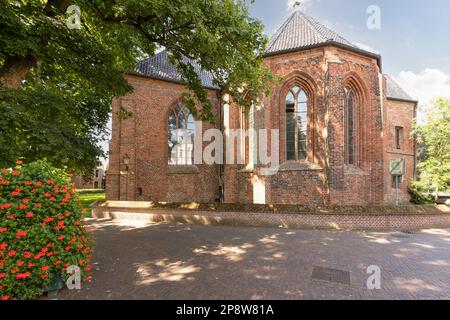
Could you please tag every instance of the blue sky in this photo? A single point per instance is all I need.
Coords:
(414, 38)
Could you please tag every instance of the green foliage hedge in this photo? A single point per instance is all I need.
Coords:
(42, 230)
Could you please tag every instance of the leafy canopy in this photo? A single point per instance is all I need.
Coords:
(434, 137)
(56, 83)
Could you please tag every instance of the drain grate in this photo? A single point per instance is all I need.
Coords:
(331, 275)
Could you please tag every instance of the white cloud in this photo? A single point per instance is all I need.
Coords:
(303, 4)
(426, 85)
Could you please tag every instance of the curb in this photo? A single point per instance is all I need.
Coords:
(286, 221)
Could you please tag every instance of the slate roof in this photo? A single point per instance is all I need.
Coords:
(394, 91)
(159, 67)
(301, 31)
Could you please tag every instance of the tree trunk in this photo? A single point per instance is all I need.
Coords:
(15, 69)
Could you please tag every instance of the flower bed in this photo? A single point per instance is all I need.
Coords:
(42, 230)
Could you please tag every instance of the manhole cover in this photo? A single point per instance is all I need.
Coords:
(331, 275)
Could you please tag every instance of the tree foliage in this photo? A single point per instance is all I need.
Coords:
(56, 83)
(434, 138)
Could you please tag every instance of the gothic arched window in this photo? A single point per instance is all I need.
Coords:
(351, 127)
(181, 131)
(296, 124)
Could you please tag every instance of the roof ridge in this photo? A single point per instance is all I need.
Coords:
(311, 24)
(319, 26)
(301, 30)
(280, 30)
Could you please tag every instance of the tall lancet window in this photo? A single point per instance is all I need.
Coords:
(296, 124)
(181, 131)
(351, 121)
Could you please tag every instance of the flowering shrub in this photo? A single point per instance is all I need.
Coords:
(41, 229)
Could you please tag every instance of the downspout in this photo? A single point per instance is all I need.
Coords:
(221, 167)
(415, 142)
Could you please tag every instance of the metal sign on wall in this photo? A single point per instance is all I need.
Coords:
(397, 167)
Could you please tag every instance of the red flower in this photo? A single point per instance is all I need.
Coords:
(77, 223)
(38, 184)
(4, 182)
(3, 246)
(27, 255)
(15, 173)
(67, 214)
(38, 256)
(11, 217)
(37, 205)
(25, 201)
(6, 206)
(2, 275)
(45, 268)
(44, 276)
(5, 298)
(31, 265)
(48, 219)
(67, 248)
(15, 193)
(29, 215)
(23, 275)
(11, 253)
(57, 262)
(60, 237)
(23, 207)
(3, 230)
(19, 162)
(47, 194)
(21, 234)
(27, 183)
(50, 181)
(20, 263)
(73, 239)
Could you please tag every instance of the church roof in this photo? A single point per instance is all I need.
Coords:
(301, 31)
(159, 67)
(394, 91)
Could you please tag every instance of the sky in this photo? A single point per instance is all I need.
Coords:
(413, 38)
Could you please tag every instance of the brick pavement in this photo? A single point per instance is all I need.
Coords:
(175, 261)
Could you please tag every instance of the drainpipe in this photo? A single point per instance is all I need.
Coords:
(221, 166)
(415, 143)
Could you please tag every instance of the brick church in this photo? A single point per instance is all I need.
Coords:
(341, 122)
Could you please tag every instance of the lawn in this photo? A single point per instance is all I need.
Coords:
(89, 196)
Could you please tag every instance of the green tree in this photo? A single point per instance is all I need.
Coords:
(434, 138)
(56, 83)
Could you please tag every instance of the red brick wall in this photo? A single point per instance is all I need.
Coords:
(143, 137)
(324, 178)
(399, 114)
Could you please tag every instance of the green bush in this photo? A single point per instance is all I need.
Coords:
(419, 195)
(42, 230)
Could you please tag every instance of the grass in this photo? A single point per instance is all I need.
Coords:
(87, 198)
